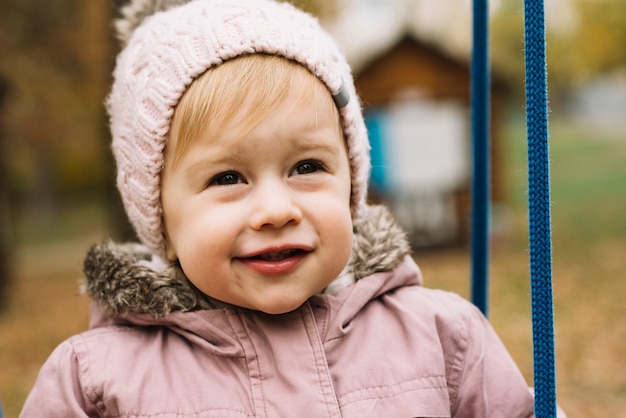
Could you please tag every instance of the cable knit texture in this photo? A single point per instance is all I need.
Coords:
(168, 45)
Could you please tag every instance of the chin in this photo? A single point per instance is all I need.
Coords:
(280, 307)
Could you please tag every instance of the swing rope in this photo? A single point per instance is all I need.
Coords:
(480, 155)
(540, 242)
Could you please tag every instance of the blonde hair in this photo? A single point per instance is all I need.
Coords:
(253, 82)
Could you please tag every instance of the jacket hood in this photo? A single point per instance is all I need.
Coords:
(128, 278)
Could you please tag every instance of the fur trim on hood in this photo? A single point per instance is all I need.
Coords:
(128, 278)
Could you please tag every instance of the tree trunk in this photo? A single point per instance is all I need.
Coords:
(6, 225)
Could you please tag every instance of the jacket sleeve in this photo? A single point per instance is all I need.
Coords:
(490, 373)
(58, 392)
(483, 379)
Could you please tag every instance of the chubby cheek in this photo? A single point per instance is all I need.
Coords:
(202, 246)
(209, 273)
(337, 235)
(341, 252)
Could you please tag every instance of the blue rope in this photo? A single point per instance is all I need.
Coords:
(480, 155)
(539, 209)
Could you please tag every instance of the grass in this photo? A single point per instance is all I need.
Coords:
(43, 306)
(589, 225)
(589, 255)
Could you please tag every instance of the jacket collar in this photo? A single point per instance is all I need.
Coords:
(128, 278)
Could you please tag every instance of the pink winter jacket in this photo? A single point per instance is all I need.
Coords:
(383, 346)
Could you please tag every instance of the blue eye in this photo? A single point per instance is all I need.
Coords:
(225, 179)
(307, 167)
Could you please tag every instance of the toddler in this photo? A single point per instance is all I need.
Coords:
(264, 285)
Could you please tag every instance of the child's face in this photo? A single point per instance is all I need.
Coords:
(262, 220)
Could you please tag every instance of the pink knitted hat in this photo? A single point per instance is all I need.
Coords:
(170, 43)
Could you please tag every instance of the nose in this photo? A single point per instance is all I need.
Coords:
(274, 206)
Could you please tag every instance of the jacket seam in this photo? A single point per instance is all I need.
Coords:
(180, 413)
(391, 386)
(460, 358)
(321, 364)
(84, 373)
(389, 396)
(237, 314)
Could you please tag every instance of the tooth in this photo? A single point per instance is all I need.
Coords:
(276, 256)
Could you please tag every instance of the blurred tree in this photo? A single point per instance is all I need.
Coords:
(58, 65)
(507, 43)
(588, 41)
(6, 230)
(324, 9)
(599, 44)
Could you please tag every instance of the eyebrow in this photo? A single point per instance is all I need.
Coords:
(205, 164)
(306, 147)
(233, 158)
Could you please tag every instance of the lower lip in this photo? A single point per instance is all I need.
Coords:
(273, 268)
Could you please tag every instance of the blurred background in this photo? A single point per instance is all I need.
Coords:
(411, 63)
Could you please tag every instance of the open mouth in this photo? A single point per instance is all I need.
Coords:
(279, 255)
(275, 262)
